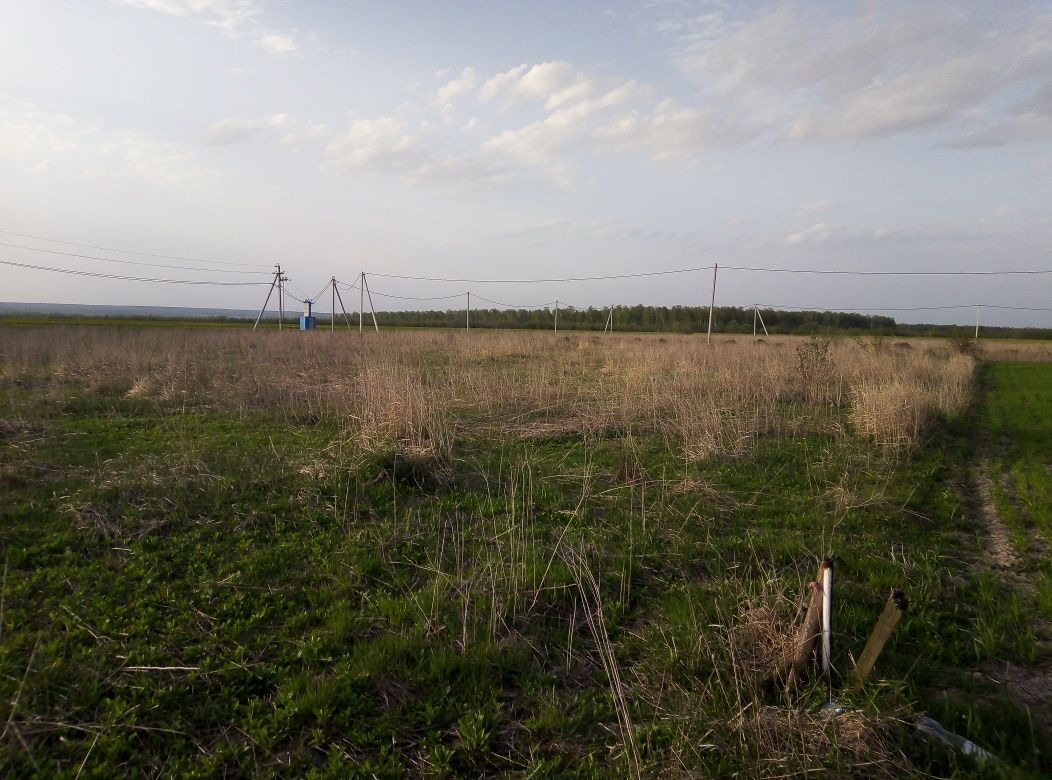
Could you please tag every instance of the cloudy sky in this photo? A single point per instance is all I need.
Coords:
(541, 139)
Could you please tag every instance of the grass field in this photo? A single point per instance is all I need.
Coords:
(437, 554)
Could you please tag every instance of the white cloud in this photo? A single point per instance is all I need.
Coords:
(1029, 121)
(35, 139)
(235, 129)
(453, 89)
(234, 17)
(553, 83)
(815, 207)
(387, 145)
(667, 131)
(612, 229)
(816, 234)
(382, 145)
(539, 141)
(864, 72)
(278, 44)
(230, 131)
(226, 14)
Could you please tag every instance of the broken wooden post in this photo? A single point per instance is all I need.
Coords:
(889, 618)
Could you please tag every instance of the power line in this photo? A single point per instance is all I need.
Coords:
(541, 281)
(1013, 308)
(98, 275)
(297, 289)
(128, 251)
(848, 309)
(885, 273)
(318, 294)
(131, 262)
(518, 306)
(410, 298)
(839, 272)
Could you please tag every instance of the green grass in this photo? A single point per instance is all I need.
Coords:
(337, 617)
(1018, 423)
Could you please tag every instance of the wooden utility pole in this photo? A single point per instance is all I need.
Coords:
(712, 303)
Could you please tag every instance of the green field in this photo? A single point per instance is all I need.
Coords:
(193, 589)
(1017, 430)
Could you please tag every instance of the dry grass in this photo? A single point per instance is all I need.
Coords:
(415, 391)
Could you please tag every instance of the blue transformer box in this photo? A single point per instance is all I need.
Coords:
(307, 321)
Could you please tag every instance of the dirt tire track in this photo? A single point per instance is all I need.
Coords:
(1002, 551)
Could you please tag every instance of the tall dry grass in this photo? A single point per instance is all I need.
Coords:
(420, 389)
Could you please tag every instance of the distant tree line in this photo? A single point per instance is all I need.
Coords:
(690, 319)
(669, 319)
(634, 319)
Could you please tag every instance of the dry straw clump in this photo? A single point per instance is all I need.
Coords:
(419, 390)
(896, 409)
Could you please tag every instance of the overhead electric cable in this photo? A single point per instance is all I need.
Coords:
(410, 298)
(850, 309)
(885, 273)
(131, 278)
(840, 272)
(518, 306)
(318, 294)
(129, 251)
(132, 262)
(539, 281)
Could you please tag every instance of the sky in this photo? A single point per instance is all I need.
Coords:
(530, 140)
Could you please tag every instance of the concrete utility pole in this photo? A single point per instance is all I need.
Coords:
(369, 295)
(712, 303)
(281, 297)
(270, 292)
(361, 301)
(556, 316)
(762, 324)
(977, 306)
(467, 313)
(333, 283)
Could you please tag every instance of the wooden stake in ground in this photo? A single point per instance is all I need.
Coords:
(889, 618)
